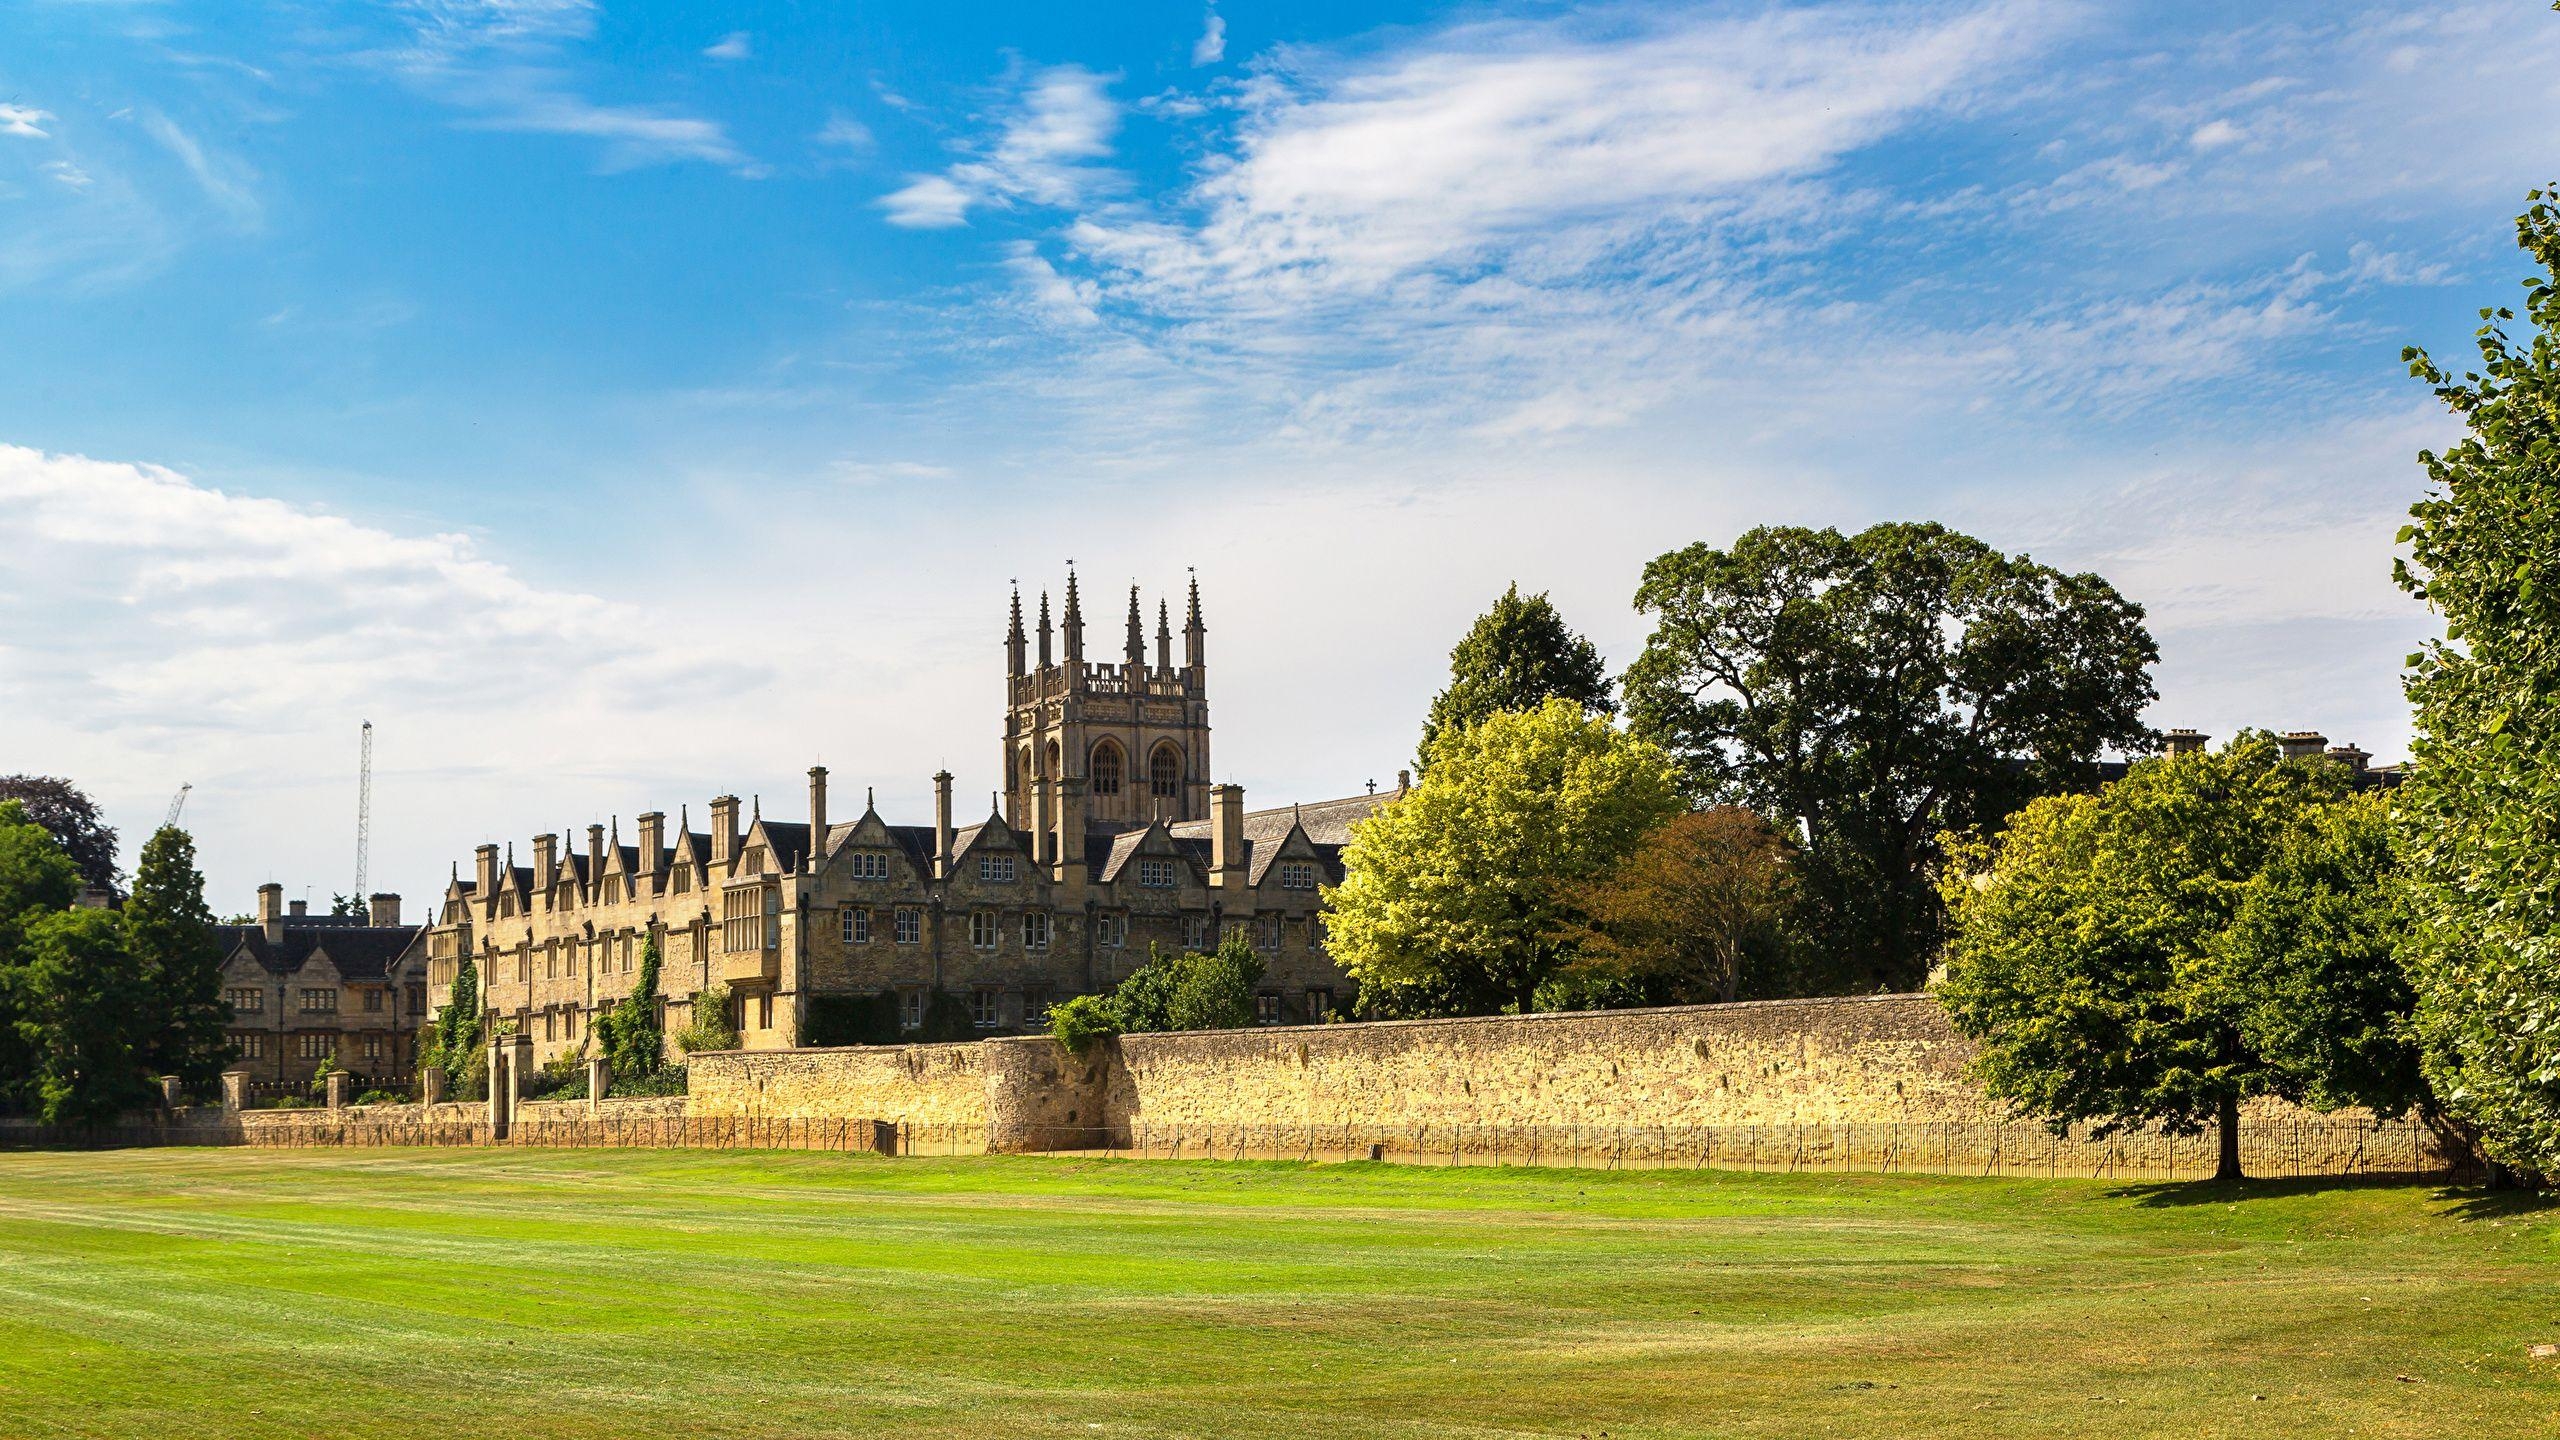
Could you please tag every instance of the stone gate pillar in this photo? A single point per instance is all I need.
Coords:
(599, 1075)
(501, 1087)
(235, 1091)
(171, 1095)
(430, 1084)
(341, 1088)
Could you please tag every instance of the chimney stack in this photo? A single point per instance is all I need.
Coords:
(546, 863)
(1067, 853)
(484, 871)
(2302, 744)
(2350, 756)
(942, 824)
(595, 861)
(724, 831)
(817, 816)
(271, 911)
(653, 839)
(301, 910)
(382, 908)
(2185, 742)
(1226, 836)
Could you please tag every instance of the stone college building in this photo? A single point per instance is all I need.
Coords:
(1106, 839)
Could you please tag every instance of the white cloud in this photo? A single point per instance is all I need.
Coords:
(1062, 120)
(843, 132)
(929, 202)
(504, 63)
(2214, 134)
(1211, 47)
(888, 472)
(68, 173)
(736, 45)
(24, 122)
(1442, 153)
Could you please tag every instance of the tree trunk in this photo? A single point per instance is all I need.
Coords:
(2227, 1167)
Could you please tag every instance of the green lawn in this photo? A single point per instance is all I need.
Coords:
(546, 1294)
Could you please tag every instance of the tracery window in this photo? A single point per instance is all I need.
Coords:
(1164, 773)
(1106, 768)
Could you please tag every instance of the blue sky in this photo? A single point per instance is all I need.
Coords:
(620, 403)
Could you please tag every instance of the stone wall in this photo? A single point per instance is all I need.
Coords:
(1871, 1081)
(925, 1084)
(1794, 1062)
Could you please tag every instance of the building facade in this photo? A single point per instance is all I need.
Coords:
(306, 988)
(1106, 840)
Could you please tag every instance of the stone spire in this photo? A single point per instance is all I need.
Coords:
(1137, 633)
(1044, 629)
(1193, 632)
(1164, 636)
(1071, 623)
(1013, 636)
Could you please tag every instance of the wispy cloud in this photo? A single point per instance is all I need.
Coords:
(1041, 153)
(736, 45)
(24, 121)
(504, 64)
(1211, 47)
(225, 180)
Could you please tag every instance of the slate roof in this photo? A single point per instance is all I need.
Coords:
(361, 952)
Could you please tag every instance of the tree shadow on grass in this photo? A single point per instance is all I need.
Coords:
(2461, 1201)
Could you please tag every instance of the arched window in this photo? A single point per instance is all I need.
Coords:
(1052, 771)
(1164, 773)
(1106, 768)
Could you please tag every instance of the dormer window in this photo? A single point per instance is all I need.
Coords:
(869, 865)
(996, 869)
(1297, 875)
(1155, 874)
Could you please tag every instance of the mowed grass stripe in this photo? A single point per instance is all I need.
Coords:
(606, 1293)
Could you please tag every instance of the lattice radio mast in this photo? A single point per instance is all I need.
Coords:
(364, 811)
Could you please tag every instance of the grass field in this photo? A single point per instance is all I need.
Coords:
(545, 1294)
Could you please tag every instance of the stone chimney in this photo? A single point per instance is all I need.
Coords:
(653, 840)
(2302, 744)
(2353, 758)
(300, 910)
(382, 908)
(484, 870)
(724, 831)
(941, 824)
(595, 861)
(2185, 742)
(817, 817)
(546, 862)
(1226, 836)
(1067, 854)
(271, 911)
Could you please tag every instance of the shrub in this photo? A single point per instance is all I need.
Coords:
(1081, 1021)
(710, 1028)
(629, 1035)
(382, 1097)
(665, 1080)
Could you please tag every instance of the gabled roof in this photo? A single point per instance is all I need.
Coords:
(359, 952)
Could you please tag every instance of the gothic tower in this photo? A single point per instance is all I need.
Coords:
(1110, 744)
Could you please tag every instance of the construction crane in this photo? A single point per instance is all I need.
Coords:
(364, 811)
(177, 803)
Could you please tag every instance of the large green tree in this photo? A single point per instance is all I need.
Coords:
(80, 992)
(170, 929)
(1878, 689)
(66, 810)
(2480, 816)
(2208, 928)
(37, 878)
(1457, 898)
(1518, 655)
